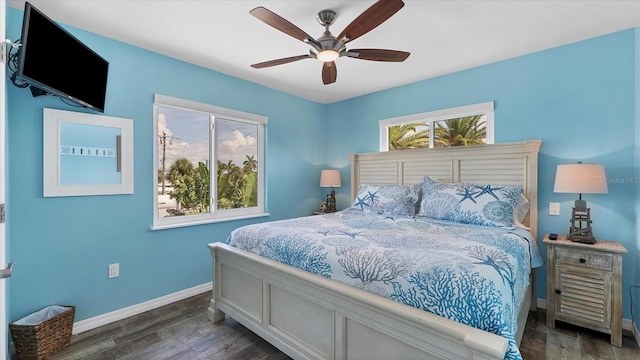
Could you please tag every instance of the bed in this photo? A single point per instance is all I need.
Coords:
(309, 316)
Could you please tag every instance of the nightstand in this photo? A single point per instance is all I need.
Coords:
(584, 285)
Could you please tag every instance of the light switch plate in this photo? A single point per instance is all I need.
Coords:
(554, 208)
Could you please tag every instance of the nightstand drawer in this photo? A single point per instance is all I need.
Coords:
(594, 261)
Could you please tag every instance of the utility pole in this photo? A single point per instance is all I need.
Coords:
(163, 141)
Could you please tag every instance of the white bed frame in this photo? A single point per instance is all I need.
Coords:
(310, 317)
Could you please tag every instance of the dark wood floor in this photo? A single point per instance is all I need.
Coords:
(181, 331)
(572, 342)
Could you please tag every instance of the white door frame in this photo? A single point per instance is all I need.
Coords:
(3, 258)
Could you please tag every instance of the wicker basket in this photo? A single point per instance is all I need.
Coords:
(37, 342)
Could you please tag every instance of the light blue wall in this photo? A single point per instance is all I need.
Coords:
(567, 97)
(63, 245)
(578, 99)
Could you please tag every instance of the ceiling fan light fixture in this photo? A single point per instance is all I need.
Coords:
(327, 48)
(327, 55)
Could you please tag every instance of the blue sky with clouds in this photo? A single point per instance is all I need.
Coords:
(187, 135)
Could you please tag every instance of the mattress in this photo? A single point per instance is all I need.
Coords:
(475, 275)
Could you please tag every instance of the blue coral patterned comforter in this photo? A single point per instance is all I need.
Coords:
(474, 275)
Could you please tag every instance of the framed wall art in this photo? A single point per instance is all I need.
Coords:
(86, 154)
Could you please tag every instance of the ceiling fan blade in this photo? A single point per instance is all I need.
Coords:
(329, 73)
(280, 61)
(282, 24)
(378, 55)
(370, 19)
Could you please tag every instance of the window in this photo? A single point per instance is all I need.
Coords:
(193, 141)
(460, 126)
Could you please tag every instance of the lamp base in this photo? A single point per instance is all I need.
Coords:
(331, 202)
(578, 233)
(582, 239)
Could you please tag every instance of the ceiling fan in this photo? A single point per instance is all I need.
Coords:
(328, 48)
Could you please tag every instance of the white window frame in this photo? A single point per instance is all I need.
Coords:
(214, 215)
(431, 117)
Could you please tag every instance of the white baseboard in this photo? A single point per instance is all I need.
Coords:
(627, 324)
(123, 313)
(542, 303)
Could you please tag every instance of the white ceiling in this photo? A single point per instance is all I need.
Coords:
(442, 36)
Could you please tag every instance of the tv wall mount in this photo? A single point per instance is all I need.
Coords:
(6, 43)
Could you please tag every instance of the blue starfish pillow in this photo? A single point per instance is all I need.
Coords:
(486, 205)
(397, 200)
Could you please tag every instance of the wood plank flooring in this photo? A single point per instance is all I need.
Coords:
(570, 342)
(181, 331)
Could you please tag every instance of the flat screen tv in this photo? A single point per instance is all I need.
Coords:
(55, 62)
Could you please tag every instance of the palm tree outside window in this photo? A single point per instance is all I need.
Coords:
(461, 126)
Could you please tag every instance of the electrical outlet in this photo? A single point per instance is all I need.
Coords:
(114, 270)
(554, 208)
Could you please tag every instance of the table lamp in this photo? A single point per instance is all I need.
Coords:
(330, 178)
(582, 179)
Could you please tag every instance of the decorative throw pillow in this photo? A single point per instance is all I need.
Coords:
(399, 200)
(467, 203)
(520, 212)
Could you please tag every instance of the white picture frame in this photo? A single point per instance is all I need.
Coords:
(86, 154)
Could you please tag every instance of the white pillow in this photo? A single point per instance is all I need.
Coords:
(520, 212)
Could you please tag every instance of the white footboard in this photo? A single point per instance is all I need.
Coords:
(310, 317)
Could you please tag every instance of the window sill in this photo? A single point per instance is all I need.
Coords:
(207, 221)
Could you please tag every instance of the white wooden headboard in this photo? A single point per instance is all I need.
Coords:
(499, 164)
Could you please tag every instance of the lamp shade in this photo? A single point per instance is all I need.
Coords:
(330, 178)
(581, 179)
